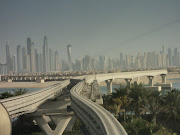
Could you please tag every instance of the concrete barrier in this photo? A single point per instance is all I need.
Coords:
(5, 123)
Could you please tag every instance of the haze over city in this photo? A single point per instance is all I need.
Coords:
(92, 27)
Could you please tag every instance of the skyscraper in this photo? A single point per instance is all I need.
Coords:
(51, 60)
(24, 53)
(175, 58)
(7, 51)
(19, 59)
(33, 60)
(121, 62)
(45, 55)
(57, 63)
(87, 63)
(8, 58)
(41, 63)
(102, 63)
(27, 63)
(14, 64)
(170, 57)
(69, 47)
(29, 46)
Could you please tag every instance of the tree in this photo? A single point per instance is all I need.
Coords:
(152, 104)
(5, 95)
(172, 103)
(20, 91)
(137, 97)
(139, 126)
(119, 99)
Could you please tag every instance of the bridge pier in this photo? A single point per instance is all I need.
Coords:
(55, 113)
(128, 81)
(163, 78)
(109, 86)
(60, 123)
(138, 79)
(150, 80)
(154, 79)
(92, 92)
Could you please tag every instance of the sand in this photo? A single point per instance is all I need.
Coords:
(26, 84)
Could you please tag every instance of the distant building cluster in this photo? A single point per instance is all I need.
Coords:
(28, 60)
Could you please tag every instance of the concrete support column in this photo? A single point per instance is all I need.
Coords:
(150, 80)
(60, 122)
(154, 79)
(163, 78)
(92, 92)
(109, 86)
(138, 79)
(128, 81)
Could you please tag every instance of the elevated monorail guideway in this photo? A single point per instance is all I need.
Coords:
(27, 103)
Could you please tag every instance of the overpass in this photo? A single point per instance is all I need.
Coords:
(96, 119)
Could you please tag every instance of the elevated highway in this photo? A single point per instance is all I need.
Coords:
(96, 119)
(26, 103)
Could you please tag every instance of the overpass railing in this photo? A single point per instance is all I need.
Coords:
(97, 119)
(121, 75)
(28, 103)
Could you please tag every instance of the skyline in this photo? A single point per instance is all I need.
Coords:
(94, 27)
(36, 62)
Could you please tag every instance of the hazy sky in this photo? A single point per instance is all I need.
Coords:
(93, 27)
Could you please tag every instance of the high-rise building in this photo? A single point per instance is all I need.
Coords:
(69, 47)
(29, 46)
(27, 63)
(175, 58)
(14, 64)
(163, 59)
(8, 58)
(33, 60)
(3, 69)
(24, 53)
(110, 63)
(45, 55)
(78, 65)
(51, 59)
(37, 60)
(41, 60)
(162, 49)
(57, 62)
(102, 63)
(7, 51)
(65, 66)
(170, 57)
(93, 63)
(121, 60)
(128, 61)
(87, 63)
(19, 59)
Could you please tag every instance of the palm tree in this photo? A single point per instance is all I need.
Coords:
(119, 99)
(5, 95)
(172, 103)
(152, 104)
(20, 91)
(136, 97)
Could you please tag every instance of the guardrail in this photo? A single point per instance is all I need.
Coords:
(97, 119)
(28, 103)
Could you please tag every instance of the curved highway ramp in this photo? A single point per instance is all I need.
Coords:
(97, 120)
